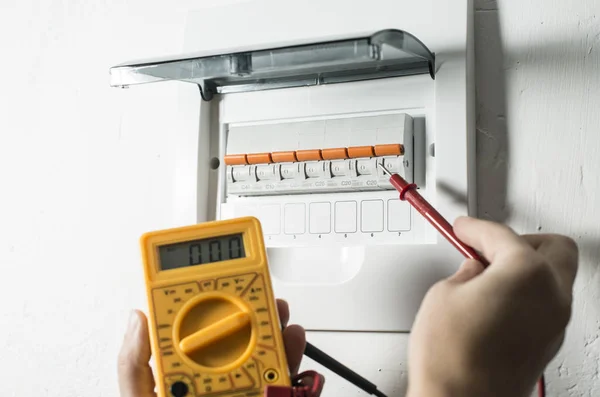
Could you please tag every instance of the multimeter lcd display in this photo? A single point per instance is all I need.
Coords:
(201, 252)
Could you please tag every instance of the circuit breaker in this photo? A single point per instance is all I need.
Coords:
(291, 120)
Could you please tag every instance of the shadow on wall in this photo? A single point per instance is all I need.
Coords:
(492, 63)
(491, 126)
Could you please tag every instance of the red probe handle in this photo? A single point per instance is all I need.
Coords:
(408, 192)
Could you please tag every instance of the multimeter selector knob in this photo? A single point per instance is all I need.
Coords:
(215, 330)
(179, 389)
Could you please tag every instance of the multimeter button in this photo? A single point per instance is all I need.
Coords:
(241, 379)
(207, 285)
(216, 383)
(267, 356)
(179, 389)
(252, 369)
(235, 285)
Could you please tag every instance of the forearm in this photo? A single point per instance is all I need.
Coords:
(471, 389)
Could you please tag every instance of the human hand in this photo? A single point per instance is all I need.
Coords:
(135, 375)
(491, 333)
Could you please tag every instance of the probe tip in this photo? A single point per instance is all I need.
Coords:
(384, 169)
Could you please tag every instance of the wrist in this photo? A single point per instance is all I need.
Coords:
(437, 388)
(430, 390)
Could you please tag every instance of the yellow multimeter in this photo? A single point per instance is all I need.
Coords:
(213, 320)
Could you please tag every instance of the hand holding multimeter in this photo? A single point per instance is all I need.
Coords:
(136, 378)
(214, 323)
(208, 284)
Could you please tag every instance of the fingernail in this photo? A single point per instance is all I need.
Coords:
(134, 323)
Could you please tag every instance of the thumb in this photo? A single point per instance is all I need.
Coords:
(135, 374)
(469, 269)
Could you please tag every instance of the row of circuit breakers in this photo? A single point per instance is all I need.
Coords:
(327, 156)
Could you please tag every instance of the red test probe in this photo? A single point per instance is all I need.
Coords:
(408, 192)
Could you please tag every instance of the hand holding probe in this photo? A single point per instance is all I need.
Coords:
(408, 192)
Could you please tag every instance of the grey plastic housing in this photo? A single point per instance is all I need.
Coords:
(387, 53)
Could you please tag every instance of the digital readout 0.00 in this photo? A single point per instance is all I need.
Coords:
(201, 252)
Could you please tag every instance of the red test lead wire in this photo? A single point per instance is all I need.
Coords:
(408, 192)
(299, 386)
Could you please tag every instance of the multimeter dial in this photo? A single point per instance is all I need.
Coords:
(214, 331)
(222, 328)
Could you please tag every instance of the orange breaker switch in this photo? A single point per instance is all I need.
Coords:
(283, 157)
(393, 149)
(360, 151)
(309, 155)
(235, 159)
(334, 154)
(259, 158)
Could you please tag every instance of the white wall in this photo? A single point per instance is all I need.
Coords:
(539, 132)
(85, 169)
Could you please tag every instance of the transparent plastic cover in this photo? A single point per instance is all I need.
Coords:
(388, 53)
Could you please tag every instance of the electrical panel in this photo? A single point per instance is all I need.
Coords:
(289, 120)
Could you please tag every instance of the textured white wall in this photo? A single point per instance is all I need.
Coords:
(84, 171)
(538, 87)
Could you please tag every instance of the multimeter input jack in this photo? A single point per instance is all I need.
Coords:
(271, 375)
(179, 389)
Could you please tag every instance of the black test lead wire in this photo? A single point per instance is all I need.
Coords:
(333, 365)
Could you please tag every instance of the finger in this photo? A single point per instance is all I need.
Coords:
(310, 381)
(469, 269)
(560, 252)
(321, 384)
(490, 238)
(135, 374)
(284, 312)
(294, 339)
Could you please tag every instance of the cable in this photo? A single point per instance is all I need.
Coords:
(335, 366)
(541, 386)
